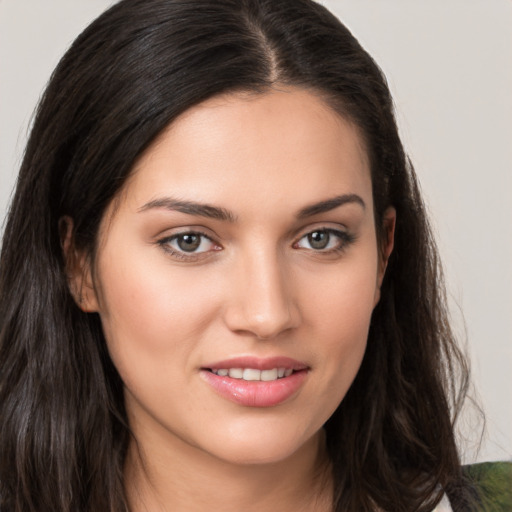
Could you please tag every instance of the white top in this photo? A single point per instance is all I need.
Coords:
(444, 505)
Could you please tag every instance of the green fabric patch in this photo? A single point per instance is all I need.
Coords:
(494, 483)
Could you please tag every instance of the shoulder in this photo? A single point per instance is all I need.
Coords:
(493, 482)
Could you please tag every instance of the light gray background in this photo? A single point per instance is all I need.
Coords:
(449, 65)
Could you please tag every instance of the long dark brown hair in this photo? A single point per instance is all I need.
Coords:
(63, 427)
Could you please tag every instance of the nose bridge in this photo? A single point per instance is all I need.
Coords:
(263, 304)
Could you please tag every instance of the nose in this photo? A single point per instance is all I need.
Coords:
(262, 304)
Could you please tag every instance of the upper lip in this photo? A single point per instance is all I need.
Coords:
(257, 363)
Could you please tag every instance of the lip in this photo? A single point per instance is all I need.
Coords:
(256, 393)
(257, 363)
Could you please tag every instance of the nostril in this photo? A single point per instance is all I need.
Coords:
(262, 307)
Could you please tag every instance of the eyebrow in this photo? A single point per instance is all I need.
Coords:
(190, 208)
(330, 204)
(218, 213)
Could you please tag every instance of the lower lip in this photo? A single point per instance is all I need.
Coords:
(255, 393)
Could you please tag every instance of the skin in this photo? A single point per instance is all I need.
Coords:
(256, 286)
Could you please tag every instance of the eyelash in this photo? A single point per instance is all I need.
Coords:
(183, 255)
(345, 240)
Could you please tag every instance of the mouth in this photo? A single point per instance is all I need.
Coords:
(253, 374)
(256, 382)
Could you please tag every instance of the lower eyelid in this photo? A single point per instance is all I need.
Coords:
(344, 237)
(166, 241)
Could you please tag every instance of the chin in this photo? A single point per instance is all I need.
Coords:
(263, 446)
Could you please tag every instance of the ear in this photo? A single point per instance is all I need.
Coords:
(386, 247)
(78, 268)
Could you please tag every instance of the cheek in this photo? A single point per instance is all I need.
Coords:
(341, 299)
(153, 318)
(339, 315)
(150, 298)
(342, 335)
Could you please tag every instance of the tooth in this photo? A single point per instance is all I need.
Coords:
(222, 372)
(251, 374)
(236, 373)
(269, 374)
(288, 372)
(280, 373)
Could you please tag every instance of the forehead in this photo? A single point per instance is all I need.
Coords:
(279, 149)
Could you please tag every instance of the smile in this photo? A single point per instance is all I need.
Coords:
(255, 382)
(253, 374)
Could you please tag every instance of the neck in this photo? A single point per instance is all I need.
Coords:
(184, 478)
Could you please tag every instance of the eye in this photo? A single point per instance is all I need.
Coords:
(188, 244)
(325, 240)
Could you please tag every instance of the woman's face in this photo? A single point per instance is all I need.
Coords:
(236, 275)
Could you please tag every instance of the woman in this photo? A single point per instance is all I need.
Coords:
(218, 283)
